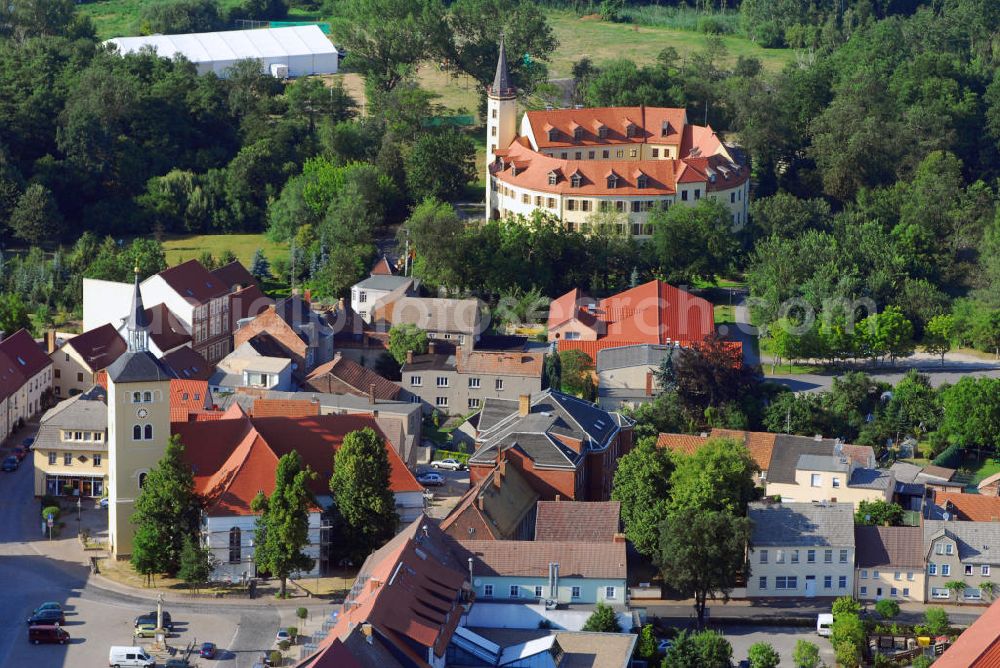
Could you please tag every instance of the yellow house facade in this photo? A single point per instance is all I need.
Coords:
(71, 448)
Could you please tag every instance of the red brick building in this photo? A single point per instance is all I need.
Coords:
(563, 446)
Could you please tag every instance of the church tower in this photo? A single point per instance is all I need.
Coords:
(501, 120)
(138, 424)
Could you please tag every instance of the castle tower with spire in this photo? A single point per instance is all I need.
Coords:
(501, 119)
(138, 423)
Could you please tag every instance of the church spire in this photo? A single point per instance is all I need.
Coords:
(138, 324)
(501, 82)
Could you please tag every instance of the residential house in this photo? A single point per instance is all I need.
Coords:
(565, 447)
(71, 448)
(190, 400)
(964, 507)
(963, 552)
(652, 313)
(541, 648)
(76, 362)
(305, 336)
(578, 521)
(455, 321)
(188, 364)
(925, 478)
(458, 381)
(370, 293)
(759, 443)
(523, 571)
(407, 602)
(498, 506)
(626, 375)
(247, 367)
(890, 563)
(345, 376)
(978, 646)
(818, 469)
(801, 550)
(235, 457)
(25, 380)
(188, 305)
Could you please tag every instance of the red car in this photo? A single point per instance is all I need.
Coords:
(207, 650)
(20, 453)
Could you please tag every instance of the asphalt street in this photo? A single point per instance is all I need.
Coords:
(98, 617)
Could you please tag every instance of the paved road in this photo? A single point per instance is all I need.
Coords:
(97, 617)
(781, 638)
(938, 375)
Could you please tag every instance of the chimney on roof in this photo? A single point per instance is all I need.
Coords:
(619, 538)
(558, 497)
(480, 503)
(649, 383)
(431, 347)
(818, 437)
(409, 357)
(371, 394)
(307, 295)
(501, 471)
(340, 305)
(524, 404)
(50, 341)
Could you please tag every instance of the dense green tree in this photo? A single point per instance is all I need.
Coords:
(148, 552)
(887, 608)
(936, 620)
(439, 165)
(577, 370)
(361, 492)
(621, 83)
(282, 529)
(711, 374)
(763, 655)
(180, 16)
(787, 216)
(406, 338)
(260, 268)
(847, 634)
(887, 333)
(36, 218)
(692, 243)
(664, 414)
(13, 313)
(433, 230)
(701, 552)
(646, 647)
(938, 335)
(602, 620)
(552, 372)
(971, 413)
(641, 484)
(714, 651)
(805, 655)
(719, 475)
(878, 513)
(166, 510)
(845, 605)
(196, 563)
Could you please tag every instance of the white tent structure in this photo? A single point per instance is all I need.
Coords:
(304, 50)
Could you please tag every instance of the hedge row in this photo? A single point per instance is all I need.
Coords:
(950, 458)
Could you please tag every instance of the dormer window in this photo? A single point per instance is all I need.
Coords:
(513, 170)
(553, 178)
(576, 180)
(577, 133)
(612, 180)
(553, 134)
(602, 131)
(630, 130)
(642, 181)
(665, 129)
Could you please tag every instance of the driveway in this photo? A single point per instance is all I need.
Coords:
(99, 615)
(456, 483)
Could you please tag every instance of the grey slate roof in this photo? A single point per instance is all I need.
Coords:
(978, 542)
(85, 412)
(888, 546)
(381, 282)
(802, 524)
(625, 357)
(787, 451)
(822, 463)
(871, 479)
(501, 80)
(552, 414)
(137, 367)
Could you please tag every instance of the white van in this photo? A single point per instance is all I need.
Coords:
(823, 624)
(130, 657)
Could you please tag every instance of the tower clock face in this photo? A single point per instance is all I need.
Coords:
(142, 413)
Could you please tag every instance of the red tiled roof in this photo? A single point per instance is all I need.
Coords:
(686, 444)
(193, 282)
(978, 646)
(334, 655)
(759, 443)
(501, 362)
(341, 371)
(165, 330)
(209, 445)
(971, 507)
(531, 558)
(188, 364)
(21, 359)
(187, 397)
(234, 275)
(248, 303)
(284, 408)
(577, 521)
(98, 347)
(648, 122)
(382, 268)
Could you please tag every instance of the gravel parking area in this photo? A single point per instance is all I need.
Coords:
(456, 483)
(782, 638)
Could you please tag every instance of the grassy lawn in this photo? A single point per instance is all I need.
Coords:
(724, 313)
(985, 470)
(182, 248)
(120, 18)
(600, 41)
(791, 369)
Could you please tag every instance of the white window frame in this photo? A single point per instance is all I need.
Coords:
(514, 591)
(574, 592)
(474, 383)
(842, 582)
(931, 568)
(945, 570)
(441, 402)
(985, 570)
(488, 590)
(609, 592)
(815, 480)
(864, 591)
(416, 381)
(940, 592)
(763, 556)
(762, 582)
(442, 381)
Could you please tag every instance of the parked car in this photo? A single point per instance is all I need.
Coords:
(150, 618)
(282, 635)
(28, 442)
(10, 463)
(207, 650)
(47, 633)
(130, 657)
(103, 503)
(49, 616)
(451, 464)
(664, 645)
(48, 605)
(430, 479)
(177, 663)
(20, 452)
(145, 630)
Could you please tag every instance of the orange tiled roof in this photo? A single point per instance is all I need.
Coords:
(648, 125)
(284, 408)
(978, 646)
(759, 443)
(972, 507)
(340, 371)
(501, 362)
(686, 444)
(187, 398)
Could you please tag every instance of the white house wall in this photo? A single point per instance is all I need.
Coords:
(105, 302)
